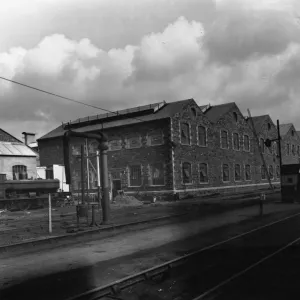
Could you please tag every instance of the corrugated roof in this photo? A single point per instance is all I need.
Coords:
(284, 128)
(214, 113)
(15, 149)
(168, 110)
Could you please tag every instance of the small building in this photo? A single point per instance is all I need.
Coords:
(290, 144)
(17, 160)
(164, 148)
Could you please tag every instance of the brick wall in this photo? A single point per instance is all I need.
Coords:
(292, 139)
(51, 152)
(7, 162)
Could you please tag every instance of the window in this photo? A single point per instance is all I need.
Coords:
(155, 138)
(246, 143)
(194, 112)
(247, 172)
(235, 116)
(271, 172)
(236, 141)
(134, 142)
(275, 148)
(202, 136)
(19, 172)
(263, 172)
(288, 149)
(93, 147)
(135, 175)
(185, 134)
(49, 173)
(157, 174)
(186, 172)
(237, 172)
(271, 148)
(203, 173)
(277, 171)
(115, 144)
(225, 172)
(269, 126)
(293, 150)
(293, 132)
(262, 145)
(224, 139)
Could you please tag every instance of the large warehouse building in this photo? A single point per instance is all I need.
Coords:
(176, 147)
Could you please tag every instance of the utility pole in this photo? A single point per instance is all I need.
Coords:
(280, 157)
(82, 174)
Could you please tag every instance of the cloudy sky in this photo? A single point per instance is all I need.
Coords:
(117, 54)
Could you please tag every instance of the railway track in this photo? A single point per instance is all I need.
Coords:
(247, 250)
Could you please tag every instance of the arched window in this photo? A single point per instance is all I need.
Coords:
(225, 172)
(203, 173)
(186, 172)
(237, 172)
(235, 116)
(262, 145)
(185, 134)
(224, 139)
(19, 172)
(269, 126)
(247, 172)
(236, 141)
(202, 138)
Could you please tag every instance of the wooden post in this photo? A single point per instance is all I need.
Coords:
(49, 214)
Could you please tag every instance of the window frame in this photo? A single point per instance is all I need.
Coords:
(199, 166)
(115, 139)
(155, 133)
(227, 139)
(151, 174)
(206, 138)
(239, 146)
(129, 175)
(189, 133)
(222, 167)
(137, 136)
(19, 169)
(240, 167)
(244, 142)
(182, 176)
(245, 173)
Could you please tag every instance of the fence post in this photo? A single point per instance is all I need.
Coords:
(49, 215)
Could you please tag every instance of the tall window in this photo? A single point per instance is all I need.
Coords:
(246, 143)
(275, 148)
(19, 172)
(202, 136)
(236, 141)
(263, 172)
(235, 116)
(155, 138)
(247, 172)
(203, 173)
(293, 150)
(185, 134)
(225, 172)
(271, 148)
(157, 174)
(237, 172)
(262, 145)
(186, 172)
(135, 175)
(271, 172)
(224, 139)
(115, 144)
(277, 171)
(288, 149)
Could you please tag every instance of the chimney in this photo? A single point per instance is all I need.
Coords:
(28, 137)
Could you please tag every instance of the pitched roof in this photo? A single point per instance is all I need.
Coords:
(15, 149)
(121, 118)
(6, 137)
(284, 128)
(259, 121)
(215, 112)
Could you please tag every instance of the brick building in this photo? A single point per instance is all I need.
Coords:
(290, 144)
(17, 160)
(266, 129)
(165, 148)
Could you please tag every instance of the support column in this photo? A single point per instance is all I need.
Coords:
(104, 185)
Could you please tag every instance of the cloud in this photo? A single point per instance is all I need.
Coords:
(250, 55)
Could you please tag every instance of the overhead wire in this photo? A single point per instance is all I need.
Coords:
(65, 98)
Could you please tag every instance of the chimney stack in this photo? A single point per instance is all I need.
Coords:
(28, 137)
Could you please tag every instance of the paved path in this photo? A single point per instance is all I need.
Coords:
(16, 269)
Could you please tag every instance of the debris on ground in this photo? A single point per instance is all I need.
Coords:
(125, 200)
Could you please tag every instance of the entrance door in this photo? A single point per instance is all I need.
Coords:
(116, 187)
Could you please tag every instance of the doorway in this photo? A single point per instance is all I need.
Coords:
(117, 186)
